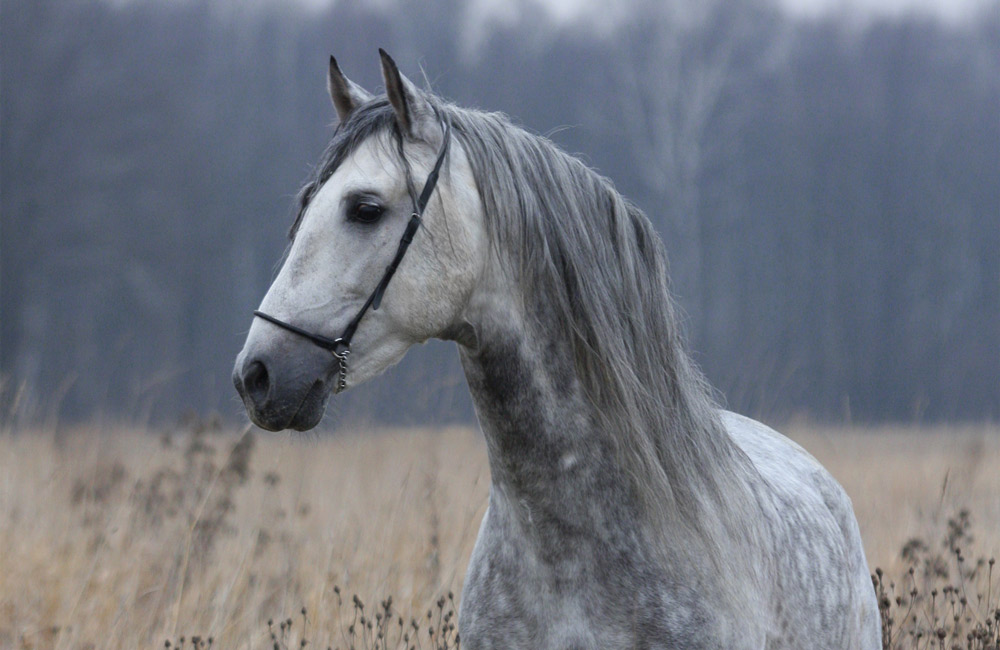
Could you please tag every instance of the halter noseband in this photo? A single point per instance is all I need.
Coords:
(340, 347)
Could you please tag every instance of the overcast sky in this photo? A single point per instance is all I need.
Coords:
(951, 10)
(566, 10)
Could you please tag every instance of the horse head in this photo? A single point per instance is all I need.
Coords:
(333, 285)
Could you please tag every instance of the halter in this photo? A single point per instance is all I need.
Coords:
(340, 347)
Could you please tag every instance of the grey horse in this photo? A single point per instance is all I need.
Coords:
(626, 510)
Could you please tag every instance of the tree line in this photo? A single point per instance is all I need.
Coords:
(828, 191)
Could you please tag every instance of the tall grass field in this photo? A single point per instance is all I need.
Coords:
(195, 537)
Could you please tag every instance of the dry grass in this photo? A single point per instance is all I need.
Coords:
(928, 504)
(126, 539)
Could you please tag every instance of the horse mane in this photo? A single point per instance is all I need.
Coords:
(579, 247)
(574, 244)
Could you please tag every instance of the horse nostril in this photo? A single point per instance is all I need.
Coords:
(256, 382)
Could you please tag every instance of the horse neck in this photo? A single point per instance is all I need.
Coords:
(546, 453)
(551, 458)
(557, 462)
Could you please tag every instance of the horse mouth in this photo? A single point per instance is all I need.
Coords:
(312, 407)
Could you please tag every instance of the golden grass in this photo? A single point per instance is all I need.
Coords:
(124, 539)
(907, 482)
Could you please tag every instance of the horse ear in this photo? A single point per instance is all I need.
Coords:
(346, 94)
(414, 113)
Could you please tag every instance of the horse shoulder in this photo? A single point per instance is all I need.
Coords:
(791, 472)
(814, 540)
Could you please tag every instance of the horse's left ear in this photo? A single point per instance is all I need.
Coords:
(414, 113)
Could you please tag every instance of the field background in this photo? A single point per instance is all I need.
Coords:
(824, 175)
(124, 538)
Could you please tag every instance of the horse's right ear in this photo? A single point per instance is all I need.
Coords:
(346, 94)
(414, 114)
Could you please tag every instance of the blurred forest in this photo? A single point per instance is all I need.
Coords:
(828, 190)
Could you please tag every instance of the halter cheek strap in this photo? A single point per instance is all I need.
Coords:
(340, 347)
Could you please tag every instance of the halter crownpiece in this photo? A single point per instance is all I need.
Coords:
(340, 347)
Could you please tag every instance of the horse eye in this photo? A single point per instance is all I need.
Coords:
(365, 213)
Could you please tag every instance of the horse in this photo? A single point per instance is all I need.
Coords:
(626, 508)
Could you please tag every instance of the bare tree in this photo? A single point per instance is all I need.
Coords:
(673, 65)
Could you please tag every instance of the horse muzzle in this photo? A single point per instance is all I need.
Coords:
(286, 391)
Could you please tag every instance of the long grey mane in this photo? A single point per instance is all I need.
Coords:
(575, 244)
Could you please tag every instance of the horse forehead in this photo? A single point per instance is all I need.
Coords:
(369, 166)
(381, 154)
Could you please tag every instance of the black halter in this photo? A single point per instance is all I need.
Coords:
(340, 347)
